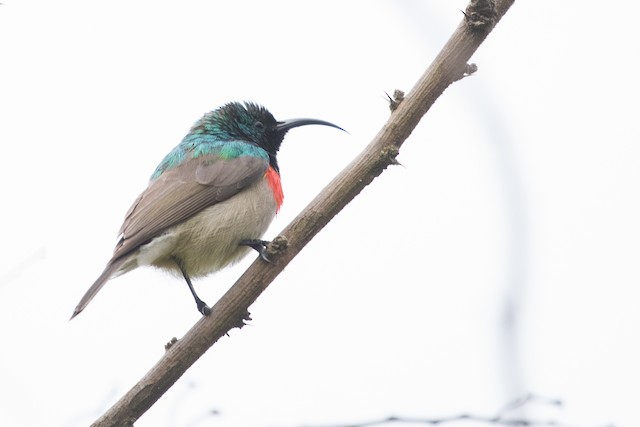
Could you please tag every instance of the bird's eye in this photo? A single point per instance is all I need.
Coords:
(259, 125)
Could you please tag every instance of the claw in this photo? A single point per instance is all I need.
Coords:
(203, 308)
(258, 245)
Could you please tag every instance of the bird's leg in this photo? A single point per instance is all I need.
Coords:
(257, 244)
(202, 306)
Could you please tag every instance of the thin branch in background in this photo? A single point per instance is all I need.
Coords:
(528, 398)
(501, 418)
(22, 266)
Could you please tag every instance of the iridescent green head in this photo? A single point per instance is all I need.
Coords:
(251, 123)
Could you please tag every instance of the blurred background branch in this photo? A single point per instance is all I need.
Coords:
(26, 263)
(503, 417)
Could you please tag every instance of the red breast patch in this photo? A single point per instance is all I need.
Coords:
(273, 178)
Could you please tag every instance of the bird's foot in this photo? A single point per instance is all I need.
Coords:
(259, 245)
(203, 308)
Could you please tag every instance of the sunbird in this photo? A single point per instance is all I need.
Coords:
(209, 201)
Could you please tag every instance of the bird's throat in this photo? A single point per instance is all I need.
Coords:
(273, 178)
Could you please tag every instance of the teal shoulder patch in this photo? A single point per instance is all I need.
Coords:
(196, 145)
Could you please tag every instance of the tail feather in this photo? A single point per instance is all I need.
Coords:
(109, 271)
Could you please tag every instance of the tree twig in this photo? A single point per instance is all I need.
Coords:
(231, 310)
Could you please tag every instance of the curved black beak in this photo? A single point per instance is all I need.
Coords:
(294, 123)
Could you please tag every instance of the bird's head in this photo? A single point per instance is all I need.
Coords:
(252, 123)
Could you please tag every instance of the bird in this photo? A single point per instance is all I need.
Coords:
(208, 202)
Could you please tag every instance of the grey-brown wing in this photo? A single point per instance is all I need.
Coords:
(183, 191)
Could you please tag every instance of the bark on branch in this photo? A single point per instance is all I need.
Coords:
(232, 309)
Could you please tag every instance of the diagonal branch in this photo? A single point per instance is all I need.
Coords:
(230, 311)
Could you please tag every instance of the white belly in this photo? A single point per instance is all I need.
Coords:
(208, 241)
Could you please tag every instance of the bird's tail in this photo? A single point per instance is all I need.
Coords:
(109, 271)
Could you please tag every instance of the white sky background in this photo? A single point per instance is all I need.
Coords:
(521, 181)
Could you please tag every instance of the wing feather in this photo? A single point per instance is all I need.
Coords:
(183, 191)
